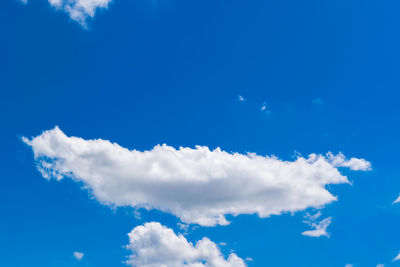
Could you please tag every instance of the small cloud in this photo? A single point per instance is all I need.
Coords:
(319, 228)
(264, 108)
(222, 244)
(380, 265)
(348, 265)
(78, 10)
(310, 218)
(397, 258)
(137, 214)
(354, 164)
(241, 98)
(318, 101)
(397, 200)
(184, 227)
(249, 259)
(78, 255)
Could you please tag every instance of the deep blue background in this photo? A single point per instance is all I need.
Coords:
(149, 72)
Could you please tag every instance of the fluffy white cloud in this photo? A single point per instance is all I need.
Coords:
(78, 255)
(319, 228)
(197, 185)
(78, 10)
(154, 245)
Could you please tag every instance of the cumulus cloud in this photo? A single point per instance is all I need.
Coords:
(319, 228)
(198, 185)
(79, 10)
(78, 255)
(397, 200)
(154, 245)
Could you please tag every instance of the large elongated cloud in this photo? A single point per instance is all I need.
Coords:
(154, 245)
(197, 185)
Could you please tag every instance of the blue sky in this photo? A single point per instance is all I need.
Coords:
(143, 73)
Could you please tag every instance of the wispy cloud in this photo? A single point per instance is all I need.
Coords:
(397, 258)
(354, 164)
(241, 98)
(319, 228)
(78, 255)
(318, 101)
(312, 217)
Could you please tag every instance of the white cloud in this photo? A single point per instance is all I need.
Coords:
(319, 228)
(397, 200)
(241, 98)
(263, 107)
(197, 185)
(311, 218)
(354, 164)
(79, 10)
(154, 245)
(397, 258)
(351, 265)
(78, 255)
